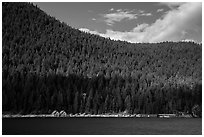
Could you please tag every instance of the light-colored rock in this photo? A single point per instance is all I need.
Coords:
(62, 113)
(55, 113)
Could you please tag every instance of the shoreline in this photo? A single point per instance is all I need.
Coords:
(95, 116)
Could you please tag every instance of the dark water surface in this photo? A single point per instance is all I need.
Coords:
(101, 126)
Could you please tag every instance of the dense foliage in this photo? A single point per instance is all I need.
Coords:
(49, 65)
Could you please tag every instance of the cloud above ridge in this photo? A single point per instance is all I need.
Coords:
(183, 21)
(119, 15)
(160, 10)
(122, 14)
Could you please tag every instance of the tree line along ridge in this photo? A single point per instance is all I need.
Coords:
(48, 65)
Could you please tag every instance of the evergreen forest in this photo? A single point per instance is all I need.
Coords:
(48, 65)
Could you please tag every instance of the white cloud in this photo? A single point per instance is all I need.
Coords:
(160, 10)
(188, 40)
(146, 14)
(172, 5)
(93, 19)
(141, 11)
(121, 14)
(181, 23)
(140, 27)
(118, 16)
(111, 9)
(119, 10)
(186, 18)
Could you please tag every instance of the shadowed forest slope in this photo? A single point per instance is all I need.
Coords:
(48, 65)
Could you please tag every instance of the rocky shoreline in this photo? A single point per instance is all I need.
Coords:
(101, 115)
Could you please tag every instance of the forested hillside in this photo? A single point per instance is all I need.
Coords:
(48, 65)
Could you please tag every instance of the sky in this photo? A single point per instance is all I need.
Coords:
(132, 21)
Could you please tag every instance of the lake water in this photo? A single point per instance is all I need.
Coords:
(102, 126)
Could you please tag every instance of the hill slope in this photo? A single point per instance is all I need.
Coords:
(49, 65)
